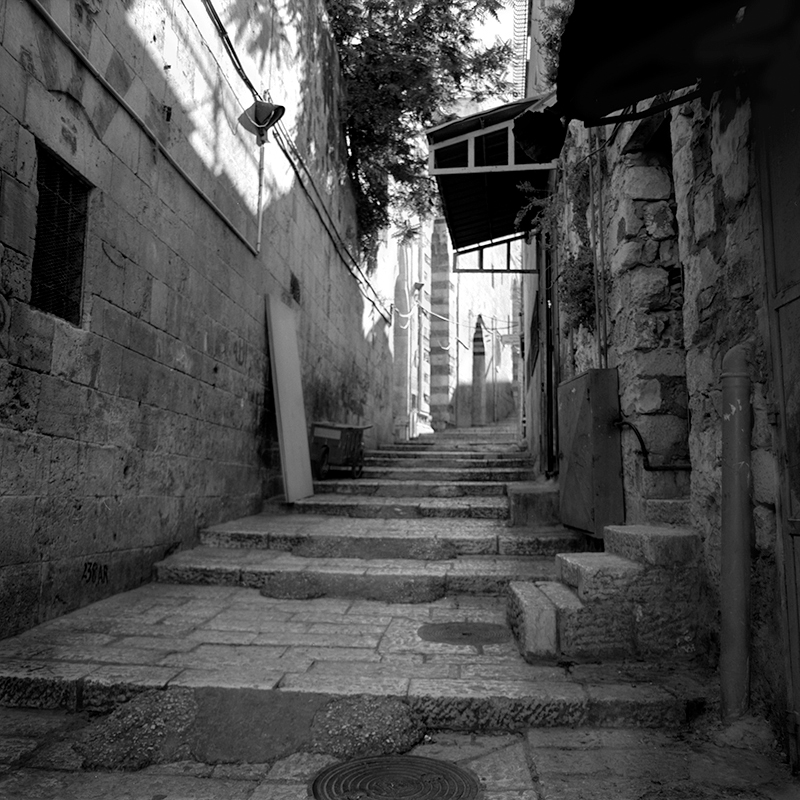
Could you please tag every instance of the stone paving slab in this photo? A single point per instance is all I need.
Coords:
(324, 647)
(546, 764)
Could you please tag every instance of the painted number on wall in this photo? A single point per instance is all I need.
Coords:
(95, 573)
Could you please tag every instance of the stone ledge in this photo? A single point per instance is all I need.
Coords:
(660, 546)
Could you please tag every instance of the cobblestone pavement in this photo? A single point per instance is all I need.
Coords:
(542, 764)
(192, 637)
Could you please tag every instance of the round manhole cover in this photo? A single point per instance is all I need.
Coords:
(476, 634)
(395, 778)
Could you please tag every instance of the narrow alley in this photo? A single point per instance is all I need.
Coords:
(399, 400)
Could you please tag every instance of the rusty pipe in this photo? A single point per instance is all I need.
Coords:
(734, 665)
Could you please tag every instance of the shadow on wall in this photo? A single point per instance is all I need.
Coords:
(154, 418)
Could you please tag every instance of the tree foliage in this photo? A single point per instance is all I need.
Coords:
(404, 62)
(551, 28)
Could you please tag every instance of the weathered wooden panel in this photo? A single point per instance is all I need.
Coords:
(292, 429)
(590, 460)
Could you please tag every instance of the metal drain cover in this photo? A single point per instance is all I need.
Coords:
(395, 778)
(476, 634)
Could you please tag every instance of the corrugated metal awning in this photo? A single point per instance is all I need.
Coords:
(479, 165)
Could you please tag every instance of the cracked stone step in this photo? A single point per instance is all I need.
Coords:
(409, 488)
(325, 537)
(284, 575)
(404, 507)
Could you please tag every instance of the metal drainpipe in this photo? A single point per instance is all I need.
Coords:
(735, 536)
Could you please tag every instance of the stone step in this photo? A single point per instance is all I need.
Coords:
(446, 464)
(599, 576)
(532, 503)
(663, 511)
(606, 606)
(324, 537)
(389, 488)
(258, 673)
(655, 545)
(283, 575)
(399, 471)
(403, 507)
(503, 446)
(550, 621)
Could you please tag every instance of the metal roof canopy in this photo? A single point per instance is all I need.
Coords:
(478, 166)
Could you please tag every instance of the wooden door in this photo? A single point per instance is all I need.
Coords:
(778, 132)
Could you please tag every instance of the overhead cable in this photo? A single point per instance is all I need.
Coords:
(295, 158)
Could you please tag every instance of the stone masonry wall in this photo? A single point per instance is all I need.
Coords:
(720, 244)
(683, 244)
(645, 312)
(122, 435)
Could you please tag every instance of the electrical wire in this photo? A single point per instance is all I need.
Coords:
(294, 157)
(501, 331)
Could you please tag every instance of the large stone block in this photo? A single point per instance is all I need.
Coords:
(704, 211)
(659, 221)
(19, 396)
(593, 630)
(730, 157)
(32, 334)
(627, 255)
(14, 85)
(533, 503)
(17, 543)
(598, 576)
(764, 476)
(19, 598)
(63, 408)
(532, 618)
(646, 183)
(17, 215)
(654, 545)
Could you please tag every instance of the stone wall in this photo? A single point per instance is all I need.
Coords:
(720, 245)
(682, 236)
(124, 434)
(645, 315)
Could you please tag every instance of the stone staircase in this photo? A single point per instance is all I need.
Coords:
(637, 599)
(405, 539)
(277, 618)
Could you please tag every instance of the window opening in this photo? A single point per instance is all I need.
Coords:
(57, 272)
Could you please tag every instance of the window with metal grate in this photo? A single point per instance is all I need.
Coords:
(57, 276)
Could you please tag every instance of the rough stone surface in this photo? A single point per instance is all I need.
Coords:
(365, 726)
(152, 728)
(532, 617)
(651, 544)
